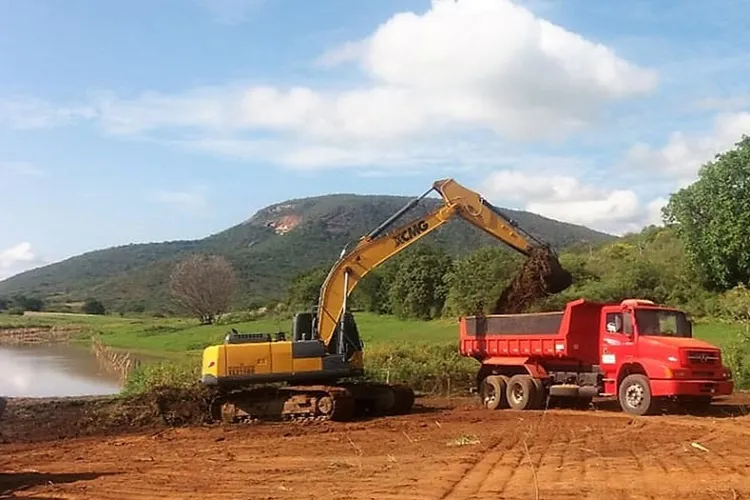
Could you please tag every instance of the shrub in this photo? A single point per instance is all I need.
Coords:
(432, 368)
(735, 303)
(182, 374)
(93, 306)
(736, 355)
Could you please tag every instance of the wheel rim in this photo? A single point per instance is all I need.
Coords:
(489, 395)
(325, 405)
(634, 395)
(516, 393)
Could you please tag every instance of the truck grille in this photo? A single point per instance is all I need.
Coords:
(703, 358)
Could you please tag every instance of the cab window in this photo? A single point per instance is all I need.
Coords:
(614, 322)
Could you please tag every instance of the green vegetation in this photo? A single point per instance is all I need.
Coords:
(181, 373)
(712, 217)
(93, 306)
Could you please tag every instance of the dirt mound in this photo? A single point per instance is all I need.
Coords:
(541, 275)
(40, 419)
(172, 406)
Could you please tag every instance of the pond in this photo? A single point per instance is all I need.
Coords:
(53, 370)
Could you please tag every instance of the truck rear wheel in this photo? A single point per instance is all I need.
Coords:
(522, 393)
(634, 395)
(541, 395)
(492, 391)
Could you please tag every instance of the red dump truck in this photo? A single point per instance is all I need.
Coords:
(636, 350)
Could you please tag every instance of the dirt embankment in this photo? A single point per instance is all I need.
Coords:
(16, 335)
(445, 449)
(44, 419)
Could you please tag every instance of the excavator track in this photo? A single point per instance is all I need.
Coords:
(313, 402)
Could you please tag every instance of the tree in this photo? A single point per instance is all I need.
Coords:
(477, 280)
(304, 289)
(28, 303)
(4, 304)
(371, 293)
(203, 285)
(93, 306)
(418, 289)
(712, 217)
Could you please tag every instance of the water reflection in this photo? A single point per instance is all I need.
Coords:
(53, 370)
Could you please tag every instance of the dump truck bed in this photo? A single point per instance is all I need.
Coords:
(568, 334)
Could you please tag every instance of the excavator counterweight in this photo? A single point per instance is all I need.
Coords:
(322, 362)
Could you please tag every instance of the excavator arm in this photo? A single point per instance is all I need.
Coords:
(379, 245)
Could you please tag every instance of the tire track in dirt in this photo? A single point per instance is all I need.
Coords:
(526, 476)
(583, 458)
(553, 465)
(472, 476)
(512, 467)
(506, 470)
(503, 471)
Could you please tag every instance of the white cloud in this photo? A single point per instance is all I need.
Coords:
(18, 258)
(23, 113)
(683, 155)
(434, 77)
(567, 199)
(204, 108)
(231, 12)
(191, 199)
(653, 211)
(344, 53)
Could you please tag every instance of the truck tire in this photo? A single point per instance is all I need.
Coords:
(521, 392)
(492, 392)
(541, 395)
(634, 395)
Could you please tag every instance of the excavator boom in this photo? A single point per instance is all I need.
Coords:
(379, 246)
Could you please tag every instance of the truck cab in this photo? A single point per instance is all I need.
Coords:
(648, 351)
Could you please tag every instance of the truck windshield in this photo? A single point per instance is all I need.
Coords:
(662, 323)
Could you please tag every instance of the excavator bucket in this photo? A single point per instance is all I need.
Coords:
(541, 275)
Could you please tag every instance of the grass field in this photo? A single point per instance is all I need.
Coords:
(168, 336)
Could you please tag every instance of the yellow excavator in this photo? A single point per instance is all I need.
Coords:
(321, 363)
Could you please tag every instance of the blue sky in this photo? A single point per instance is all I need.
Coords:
(148, 121)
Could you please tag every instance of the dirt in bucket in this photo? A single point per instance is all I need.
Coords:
(541, 275)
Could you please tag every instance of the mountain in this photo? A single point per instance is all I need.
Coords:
(266, 250)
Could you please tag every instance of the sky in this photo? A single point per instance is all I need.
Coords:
(139, 121)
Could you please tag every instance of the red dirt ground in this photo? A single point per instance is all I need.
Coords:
(447, 449)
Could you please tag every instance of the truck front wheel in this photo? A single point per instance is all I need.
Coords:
(492, 392)
(635, 395)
